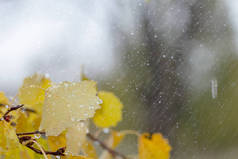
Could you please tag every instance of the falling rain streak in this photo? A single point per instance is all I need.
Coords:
(214, 88)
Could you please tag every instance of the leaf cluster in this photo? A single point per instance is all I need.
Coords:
(52, 119)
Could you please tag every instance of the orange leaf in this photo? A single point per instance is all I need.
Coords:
(153, 147)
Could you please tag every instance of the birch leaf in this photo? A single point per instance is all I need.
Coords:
(89, 150)
(3, 101)
(56, 142)
(8, 137)
(75, 138)
(111, 110)
(19, 153)
(153, 147)
(32, 92)
(27, 122)
(66, 103)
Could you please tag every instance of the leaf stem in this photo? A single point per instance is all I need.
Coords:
(104, 146)
(6, 116)
(30, 142)
(31, 133)
(41, 149)
(90, 136)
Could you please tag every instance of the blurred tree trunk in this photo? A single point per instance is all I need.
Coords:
(166, 89)
(163, 90)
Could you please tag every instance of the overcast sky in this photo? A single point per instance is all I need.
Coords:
(57, 37)
(54, 37)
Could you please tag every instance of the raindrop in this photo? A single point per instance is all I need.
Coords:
(73, 119)
(91, 107)
(37, 136)
(99, 101)
(106, 130)
(47, 75)
(66, 84)
(214, 86)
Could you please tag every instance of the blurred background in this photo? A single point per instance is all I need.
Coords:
(173, 63)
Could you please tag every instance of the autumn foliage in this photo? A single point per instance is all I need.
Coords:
(51, 120)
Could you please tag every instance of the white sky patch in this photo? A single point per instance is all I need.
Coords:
(19, 45)
(56, 38)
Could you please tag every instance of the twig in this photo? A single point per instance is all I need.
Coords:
(130, 132)
(23, 108)
(104, 146)
(13, 108)
(28, 110)
(90, 136)
(31, 133)
(40, 147)
(59, 152)
(6, 117)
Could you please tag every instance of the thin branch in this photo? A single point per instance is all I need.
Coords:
(41, 149)
(6, 117)
(31, 133)
(28, 110)
(23, 139)
(130, 132)
(59, 152)
(22, 108)
(104, 146)
(90, 136)
(13, 108)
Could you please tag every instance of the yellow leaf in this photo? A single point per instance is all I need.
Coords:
(19, 153)
(25, 153)
(3, 99)
(27, 122)
(75, 138)
(89, 150)
(117, 138)
(56, 142)
(44, 144)
(32, 92)
(111, 110)
(8, 138)
(153, 147)
(67, 103)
